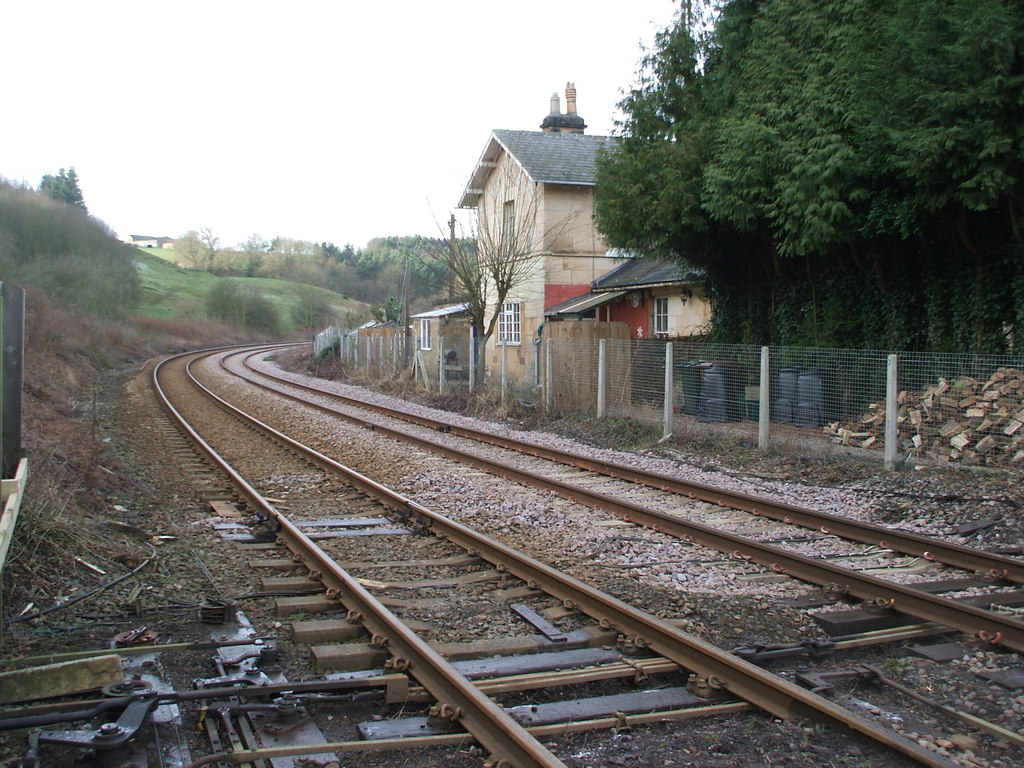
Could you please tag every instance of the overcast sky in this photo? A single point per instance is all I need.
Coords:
(324, 120)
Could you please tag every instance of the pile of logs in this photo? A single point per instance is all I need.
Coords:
(967, 420)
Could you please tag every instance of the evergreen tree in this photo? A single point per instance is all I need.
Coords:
(388, 311)
(63, 187)
(848, 172)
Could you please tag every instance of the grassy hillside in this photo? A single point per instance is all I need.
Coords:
(171, 292)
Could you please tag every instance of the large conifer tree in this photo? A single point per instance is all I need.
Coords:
(849, 172)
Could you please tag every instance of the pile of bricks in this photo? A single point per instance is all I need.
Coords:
(967, 420)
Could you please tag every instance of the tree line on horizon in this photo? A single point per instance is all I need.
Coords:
(48, 240)
(394, 266)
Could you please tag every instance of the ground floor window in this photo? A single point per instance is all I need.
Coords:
(509, 326)
(661, 316)
(424, 333)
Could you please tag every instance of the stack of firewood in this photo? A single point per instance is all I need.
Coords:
(979, 422)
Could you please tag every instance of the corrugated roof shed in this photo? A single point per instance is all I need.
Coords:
(452, 309)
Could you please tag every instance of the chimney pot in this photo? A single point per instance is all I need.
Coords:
(556, 105)
(570, 98)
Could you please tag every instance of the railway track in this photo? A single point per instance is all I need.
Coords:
(385, 582)
(996, 571)
(724, 671)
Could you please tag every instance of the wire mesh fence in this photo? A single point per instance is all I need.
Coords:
(947, 407)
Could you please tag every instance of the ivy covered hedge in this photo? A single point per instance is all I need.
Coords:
(848, 172)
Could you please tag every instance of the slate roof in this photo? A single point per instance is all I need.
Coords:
(638, 273)
(549, 158)
(580, 304)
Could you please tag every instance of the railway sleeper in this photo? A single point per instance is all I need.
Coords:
(551, 713)
(354, 656)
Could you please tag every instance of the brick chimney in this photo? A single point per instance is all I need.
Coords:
(570, 122)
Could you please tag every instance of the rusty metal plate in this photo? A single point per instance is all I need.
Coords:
(938, 651)
(604, 706)
(1008, 678)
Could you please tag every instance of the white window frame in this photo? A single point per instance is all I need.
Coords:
(510, 324)
(424, 333)
(660, 324)
(508, 223)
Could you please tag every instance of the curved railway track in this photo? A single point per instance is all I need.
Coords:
(495, 733)
(344, 542)
(988, 625)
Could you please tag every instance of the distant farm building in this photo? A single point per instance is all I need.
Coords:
(148, 241)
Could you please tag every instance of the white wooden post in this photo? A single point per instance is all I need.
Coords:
(667, 416)
(764, 400)
(380, 360)
(549, 366)
(504, 372)
(602, 378)
(891, 406)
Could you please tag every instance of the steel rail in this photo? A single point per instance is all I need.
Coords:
(998, 566)
(490, 725)
(989, 626)
(413, 742)
(741, 678)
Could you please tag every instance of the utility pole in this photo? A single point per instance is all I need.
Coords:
(451, 249)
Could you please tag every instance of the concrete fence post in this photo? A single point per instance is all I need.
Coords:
(891, 410)
(440, 365)
(504, 372)
(549, 367)
(667, 415)
(602, 378)
(472, 359)
(764, 400)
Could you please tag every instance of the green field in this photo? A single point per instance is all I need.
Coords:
(170, 292)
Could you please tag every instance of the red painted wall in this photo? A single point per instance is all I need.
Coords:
(556, 294)
(637, 318)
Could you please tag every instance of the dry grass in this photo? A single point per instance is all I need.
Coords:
(72, 474)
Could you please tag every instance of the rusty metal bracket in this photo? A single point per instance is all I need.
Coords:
(640, 676)
(822, 682)
(110, 741)
(139, 636)
(758, 654)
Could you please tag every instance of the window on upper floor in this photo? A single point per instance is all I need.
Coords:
(508, 222)
(509, 325)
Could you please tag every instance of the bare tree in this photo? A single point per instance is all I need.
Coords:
(190, 249)
(254, 248)
(499, 251)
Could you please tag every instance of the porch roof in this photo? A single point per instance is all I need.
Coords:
(580, 304)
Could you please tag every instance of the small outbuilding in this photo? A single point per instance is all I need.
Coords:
(443, 336)
(655, 298)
